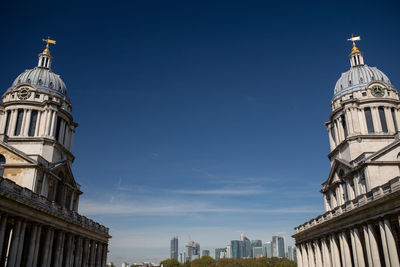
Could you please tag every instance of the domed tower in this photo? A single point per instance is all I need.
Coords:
(363, 132)
(37, 132)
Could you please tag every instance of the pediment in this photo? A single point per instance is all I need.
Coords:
(339, 169)
(15, 156)
(63, 171)
(390, 152)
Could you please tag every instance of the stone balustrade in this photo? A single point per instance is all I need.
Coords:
(27, 197)
(376, 193)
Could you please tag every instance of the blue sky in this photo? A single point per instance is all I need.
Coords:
(199, 119)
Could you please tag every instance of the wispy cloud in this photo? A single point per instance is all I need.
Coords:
(234, 192)
(95, 208)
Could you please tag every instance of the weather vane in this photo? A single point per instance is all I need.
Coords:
(354, 39)
(49, 41)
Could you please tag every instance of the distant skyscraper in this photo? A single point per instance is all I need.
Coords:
(218, 253)
(292, 253)
(174, 248)
(228, 251)
(205, 253)
(192, 251)
(246, 246)
(255, 243)
(257, 252)
(278, 247)
(235, 246)
(267, 249)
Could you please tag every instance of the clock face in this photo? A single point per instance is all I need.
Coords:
(377, 91)
(24, 93)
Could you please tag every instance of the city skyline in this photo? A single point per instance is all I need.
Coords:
(209, 115)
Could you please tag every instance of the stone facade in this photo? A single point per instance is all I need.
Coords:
(39, 196)
(362, 193)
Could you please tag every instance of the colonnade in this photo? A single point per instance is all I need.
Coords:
(31, 244)
(356, 124)
(370, 244)
(46, 123)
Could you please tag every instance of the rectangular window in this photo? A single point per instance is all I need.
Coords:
(394, 119)
(344, 124)
(383, 119)
(57, 135)
(8, 114)
(32, 123)
(368, 118)
(18, 125)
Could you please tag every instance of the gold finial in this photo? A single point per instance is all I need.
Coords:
(48, 41)
(354, 39)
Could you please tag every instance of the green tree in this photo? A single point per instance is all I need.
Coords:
(205, 261)
(170, 263)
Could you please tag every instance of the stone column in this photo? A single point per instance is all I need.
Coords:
(374, 246)
(58, 256)
(69, 250)
(37, 246)
(53, 123)
(92, 258)
(21, 243)
(78, 252)
(349, 121)
(85, 256)
(105, 251)
(345, 250)
(32, 243)
(47, 122)
(384, 243)
(46, 248)
(325, 253)
(389, 120)
(298, 256)
(318, 254)
(355, 120)
(52, 233)
(361, 119)
(304, 254)
(13, 122)
(376, 120)
(359, 248)
(98, 254)
(3, 225)
(339, 126)
(27, 121)
(367, 245)
(394, 258)
(335, 252)
(13, 251)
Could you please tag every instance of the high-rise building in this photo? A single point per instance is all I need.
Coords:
(235, 249)
(257, 252)
(255, 243)
(192, 251)
(205, 252)
(245, 246)
(291, 253)
(229, 251)
(39, 195)
(267, 249)
(218, 252)
(174, 248)
(278, 247)
(360, 226)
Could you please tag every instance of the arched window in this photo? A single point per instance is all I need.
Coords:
(2, 162)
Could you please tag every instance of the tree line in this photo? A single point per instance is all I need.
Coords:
(207, 261)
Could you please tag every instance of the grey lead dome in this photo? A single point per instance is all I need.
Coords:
(357, 78)
(43, 79)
